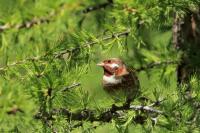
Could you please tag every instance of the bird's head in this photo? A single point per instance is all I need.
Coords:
(114, 67)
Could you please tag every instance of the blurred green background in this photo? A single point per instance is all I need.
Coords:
(24, 83)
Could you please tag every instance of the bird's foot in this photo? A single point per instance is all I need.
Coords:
(126, 105)
(114, 108)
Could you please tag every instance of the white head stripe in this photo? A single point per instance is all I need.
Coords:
(113, 65)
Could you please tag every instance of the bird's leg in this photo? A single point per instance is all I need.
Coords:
(114, 107)
(127, 103)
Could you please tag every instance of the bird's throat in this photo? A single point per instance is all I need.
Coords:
(111, 79)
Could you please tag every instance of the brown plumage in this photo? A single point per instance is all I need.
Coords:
(119, 81)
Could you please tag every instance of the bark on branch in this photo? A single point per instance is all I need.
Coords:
(90, 115)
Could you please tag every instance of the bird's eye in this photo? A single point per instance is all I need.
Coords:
(109, 61)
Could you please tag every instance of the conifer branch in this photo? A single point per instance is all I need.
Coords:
(60, 53)
(66, 89)
(34, 21)
(71, 86)
(98, 6)
(27, 24)
(4, 68)
(91, 43)
(155, 64)
(107, 116)
(48, 18)
(145, 108)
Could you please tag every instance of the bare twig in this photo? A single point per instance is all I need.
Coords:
(145, 108)
(98, 6)
(71, 86)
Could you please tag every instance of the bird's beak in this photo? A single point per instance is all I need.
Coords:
(100, 64)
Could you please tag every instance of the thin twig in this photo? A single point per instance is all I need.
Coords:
(155, 64)
(156, 103)
(66, 89)
(32, 22)
(98, 6)
(177, 27)
(70, 87)
(91, 43)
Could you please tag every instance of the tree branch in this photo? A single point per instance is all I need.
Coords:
(70, 87)
(107, 116)
(66, 89)
(91, 43)
(60, 53)
(98, 6)
(34, 21)
(155, 64)
(145, 108)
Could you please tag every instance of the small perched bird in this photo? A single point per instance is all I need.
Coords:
(119, 81)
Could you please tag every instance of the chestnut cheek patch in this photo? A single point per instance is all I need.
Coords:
(121, 71)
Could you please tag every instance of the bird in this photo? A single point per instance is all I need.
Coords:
(119, 81)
